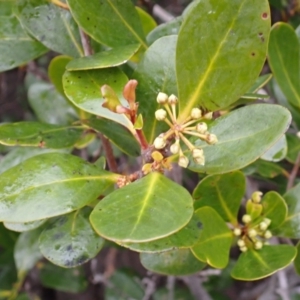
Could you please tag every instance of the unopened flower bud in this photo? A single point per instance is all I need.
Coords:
(241, 243)
(263, 225)
(198, 156)
(268, 234)
(267, 221)
(237, 231)
(256, 197)
(258, 245)
(201, 127)
(211, 139)
(208, 116)
(160, 114)
(196, 113)
(173, 99)
(246, 219)
(175, 147)
(244, 249)
(252, 233)
(183, 161)
(159, 142)
(162, 98)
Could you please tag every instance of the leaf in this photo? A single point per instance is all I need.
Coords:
(27, 252)
(147, 21)
(69, 241)
(22, 227)
(155, 73)
(39, 135)
(215, 239)
(260, 82)
(277, 152)
(83, 89)
(173, 262)
(254, 265)
(16, 47)
(44, 20)
(109, 22)
(274, 208)
(223, 193)
(284, 60)
(243, 136)
(228, 50)
(65, 280)
(49, 185)
(170, 28)
(19, 154)
(49, 105)
(105, 59)
(117, 134)
(56, 70)
(297, 259)
(293, 144)
(184, 238)
(269, 169)
(291, 226)
(148, 209)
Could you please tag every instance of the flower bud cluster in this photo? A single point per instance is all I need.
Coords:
(193, 125)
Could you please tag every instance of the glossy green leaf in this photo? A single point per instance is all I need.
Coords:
(39, 135)
(19, 154)
(147, 21)
(109, 22)
(274, 208)
(277, 152)
(117, 134)
(49, 185)
(56, 70)
(184, 238)
(16, 47)
(293, 143)
(22, 227)
(8, 238)
(291, 226)
(49, 105)
(284, 60)
(155, 73)
(105, 59)
(165, 29)
(243, 136)
(147, 209)
(253, 265)
(27, 252)
(51, 25)
(215, 239)
(223, 193)
(260, 82)
(6, 7)
(268, 169)
(174, 262)
(61, 279)
(297, 259)
(69, 240)
(83, 89)
(227, 49)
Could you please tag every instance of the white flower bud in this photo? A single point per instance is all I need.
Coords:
(268, 234)
(162, 98)
(258, 245)
(159, 142)
(175, 147)
(252, 233)
(237, 231)
(256, 197)
(198, 156)
(263, 225)
(201, 127)
(211, 139)
(241, 243)
(244, 249)
(173, 99)
(196, 113)
(246, 219)
(160, 114)
(208, 116)
(267, 221)
(183, 161)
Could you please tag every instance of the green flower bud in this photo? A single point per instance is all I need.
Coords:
(246, 219)
(162, 98)
(201, 127)
(196, 113)
(160, 114)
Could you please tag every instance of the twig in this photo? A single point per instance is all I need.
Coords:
(294, 172)
(171, 286)
(110, 262)
(36, 71)
(86, 43)
(283, 289)
(162, 14)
